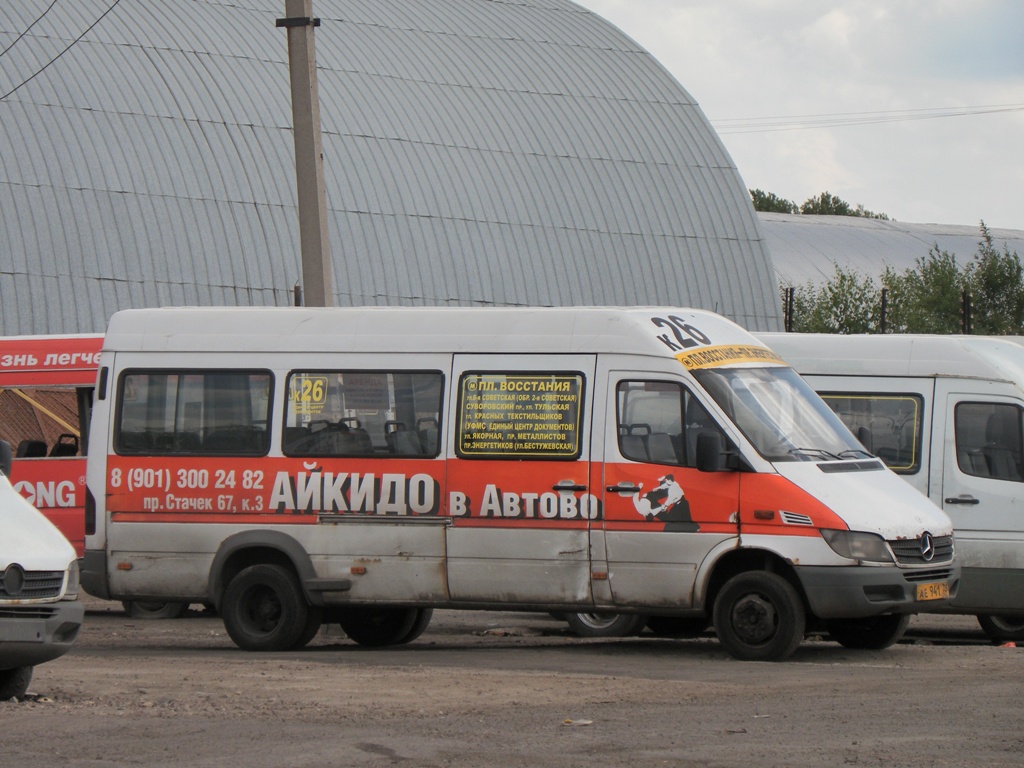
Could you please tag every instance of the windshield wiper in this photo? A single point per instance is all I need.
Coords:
(819, 452)
(857, 453)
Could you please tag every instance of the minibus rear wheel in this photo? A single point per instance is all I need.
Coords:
(605, 624)
(377, 627)
(869, 634)
(759, 617)
(1001, 629)
(264, 609)
(149, 609)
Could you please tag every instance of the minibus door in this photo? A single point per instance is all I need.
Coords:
(982, 484)
(518, 469)
(661, 515)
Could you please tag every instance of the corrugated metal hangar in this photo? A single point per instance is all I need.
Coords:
(806, 249)
(483, 152)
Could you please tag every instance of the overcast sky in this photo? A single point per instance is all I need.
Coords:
(745, 61)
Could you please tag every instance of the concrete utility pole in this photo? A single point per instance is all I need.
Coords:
(309, 154)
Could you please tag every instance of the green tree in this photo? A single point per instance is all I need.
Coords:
(847, 303)
(771, 203)
(826, 204)
(995, 280)
(926, 298)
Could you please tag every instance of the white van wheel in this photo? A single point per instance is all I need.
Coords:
(605, 624)
(1001, 629)
(759, 617)
(14, 682)
(869, 634)
(149, 609)
(264, 609)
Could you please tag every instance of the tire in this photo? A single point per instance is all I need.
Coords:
(871, 634)
(264, 609)
(14, 682)
(605, 624)
(149, 609)
(378, 627)
(678, 627)
(314, 621)
(759, 617)
(1001, 629)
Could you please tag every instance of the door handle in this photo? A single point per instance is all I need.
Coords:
(965, 499)
(623, 488)
(568, 485)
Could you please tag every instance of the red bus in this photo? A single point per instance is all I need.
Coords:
(46, 386)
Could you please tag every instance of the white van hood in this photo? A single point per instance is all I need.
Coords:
(876, 501)
(28, 538)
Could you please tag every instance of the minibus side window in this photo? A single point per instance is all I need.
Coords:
(988, 440)
(363, 413)
(888, 425)
(195, 413)
(43, 422)
(658, 422)
(523, 415)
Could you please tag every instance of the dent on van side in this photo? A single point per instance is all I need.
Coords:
(40, 614)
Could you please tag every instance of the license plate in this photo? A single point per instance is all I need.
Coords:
(935, 591)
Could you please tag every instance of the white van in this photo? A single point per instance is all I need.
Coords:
(946, 413)
(39, 610)
(365, 465)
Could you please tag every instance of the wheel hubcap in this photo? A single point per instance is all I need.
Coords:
(754, 619)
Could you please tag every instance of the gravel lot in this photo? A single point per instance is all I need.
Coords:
(512, 689)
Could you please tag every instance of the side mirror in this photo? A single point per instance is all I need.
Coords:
(710, 452)
(5, 458)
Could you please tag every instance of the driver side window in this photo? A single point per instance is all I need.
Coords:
(658, 422)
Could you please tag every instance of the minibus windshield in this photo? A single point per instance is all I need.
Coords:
(780, 414)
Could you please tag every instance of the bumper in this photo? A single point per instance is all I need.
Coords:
(93, 569)
(33, 634)
(859, 591)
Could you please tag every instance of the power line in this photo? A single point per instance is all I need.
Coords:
(51, 61)
(29, 28)
(841, 119)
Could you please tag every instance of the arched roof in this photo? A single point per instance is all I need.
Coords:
(807, 249)
(476, 152)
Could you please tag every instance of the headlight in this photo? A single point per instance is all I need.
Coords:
(71, 591)
(857, 545)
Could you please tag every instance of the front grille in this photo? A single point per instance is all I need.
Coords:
(37, 585)
(908, 551)
(928, 574)
(26, 611)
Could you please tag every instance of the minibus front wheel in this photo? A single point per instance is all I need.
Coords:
(264, 610)
(759, 616)
(14, 682)
(1001, 629)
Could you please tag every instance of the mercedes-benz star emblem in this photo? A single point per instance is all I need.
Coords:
(927, 547)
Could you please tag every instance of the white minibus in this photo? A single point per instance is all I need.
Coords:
(366, 465)
(946, 413)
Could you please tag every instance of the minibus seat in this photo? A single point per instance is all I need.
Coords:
(1001, 435)
(427, 429)
(244, 440)
(400, 439)
(30, 449)
(633, 447)
(295, 440)
(660, 448)
(66, 445)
